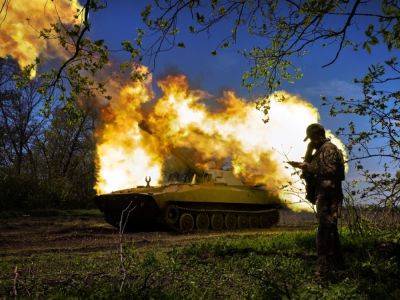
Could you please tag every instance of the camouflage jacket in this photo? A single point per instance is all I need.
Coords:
(327, 164)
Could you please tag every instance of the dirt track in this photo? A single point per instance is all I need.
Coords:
(27, 235)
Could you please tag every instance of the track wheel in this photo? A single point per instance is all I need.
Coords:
(202, 222)
(265, 221)
(217, 221)
(269, 218)
(254, 221)
(243, 221)
(171, 214)
(186, 222)
(230, 221)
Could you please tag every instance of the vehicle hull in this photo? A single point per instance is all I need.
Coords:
(164, 207)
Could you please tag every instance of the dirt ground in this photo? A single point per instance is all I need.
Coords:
(85, 233)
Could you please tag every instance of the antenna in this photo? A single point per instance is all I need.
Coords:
(148, 180)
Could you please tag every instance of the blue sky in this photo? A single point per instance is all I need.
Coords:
(120, 20)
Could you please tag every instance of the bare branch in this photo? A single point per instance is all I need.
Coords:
(343, 33)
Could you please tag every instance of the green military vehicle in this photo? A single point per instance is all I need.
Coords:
(214, 200)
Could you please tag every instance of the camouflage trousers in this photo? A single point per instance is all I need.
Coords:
(328, 243)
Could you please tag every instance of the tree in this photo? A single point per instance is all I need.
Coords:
(72, 72)
(76, 76)
(45, 159)
(46, 137)
(19, 117)
(292, 29)
(380, 139)
(65, 153)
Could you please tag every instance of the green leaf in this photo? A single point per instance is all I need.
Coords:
(367, 47)
(200, 18)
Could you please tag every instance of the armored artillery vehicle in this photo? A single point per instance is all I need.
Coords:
(216, 200)
(191, 200)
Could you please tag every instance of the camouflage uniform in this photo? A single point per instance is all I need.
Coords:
(327, 169)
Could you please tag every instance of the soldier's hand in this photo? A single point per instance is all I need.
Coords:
(310, 147)
(297, 164)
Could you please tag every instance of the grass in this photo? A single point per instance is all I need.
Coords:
(263, 264)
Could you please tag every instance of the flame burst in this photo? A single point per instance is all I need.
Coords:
(21, 22)
(179, 119)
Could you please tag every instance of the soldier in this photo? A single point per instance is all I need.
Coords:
(323, 170)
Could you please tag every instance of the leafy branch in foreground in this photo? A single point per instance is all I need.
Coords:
(376, 134)
(288, 28)
(76, 77)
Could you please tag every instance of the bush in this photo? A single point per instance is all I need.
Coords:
(24, 193)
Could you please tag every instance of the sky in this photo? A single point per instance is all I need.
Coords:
(120, 20)
(213, 74)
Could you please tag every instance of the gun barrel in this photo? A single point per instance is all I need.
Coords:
(188, 162)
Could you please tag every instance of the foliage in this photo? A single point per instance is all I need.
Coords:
(377, 134)
(289, 29)
(76, 77)
(257, 266)
(45, 160)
